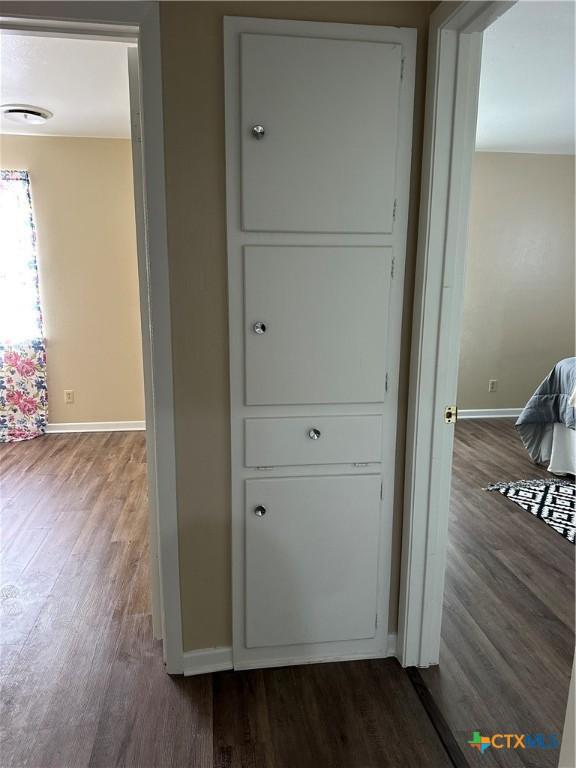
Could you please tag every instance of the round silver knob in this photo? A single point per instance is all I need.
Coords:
(258, 131)
(259, 328)
(314, 434)
(259, 511)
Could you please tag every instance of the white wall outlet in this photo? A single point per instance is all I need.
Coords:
(68, 396)
(492, 385)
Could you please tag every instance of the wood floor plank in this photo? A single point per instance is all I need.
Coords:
(148, 718)
(83, 680)
(362, 714)
(67, 746)
(508, 622)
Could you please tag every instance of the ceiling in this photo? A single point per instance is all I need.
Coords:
(526, 85)
(527, 80)
(83, 82)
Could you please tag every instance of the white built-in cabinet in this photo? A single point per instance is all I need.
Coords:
(318, 148)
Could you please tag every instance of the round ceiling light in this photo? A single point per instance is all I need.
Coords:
(25, 114)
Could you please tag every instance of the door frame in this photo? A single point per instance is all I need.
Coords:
(453, 78)
(139, 23)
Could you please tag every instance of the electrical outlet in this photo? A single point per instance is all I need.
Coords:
(68, 396)
(492, 385)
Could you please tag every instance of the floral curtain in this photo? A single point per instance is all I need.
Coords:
(23, 393)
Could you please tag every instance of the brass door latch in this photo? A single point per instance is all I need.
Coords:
(451, 414)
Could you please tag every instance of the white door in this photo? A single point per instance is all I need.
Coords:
(329, 110)
(318, 142)
(311, 559)
(316, 324)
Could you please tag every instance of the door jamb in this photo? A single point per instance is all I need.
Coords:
(139, 22)
(453, 76)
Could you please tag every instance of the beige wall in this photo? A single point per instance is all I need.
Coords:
(84, 210)
(519, 302)
(192, 61)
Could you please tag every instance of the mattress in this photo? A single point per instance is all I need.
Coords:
(549, 406)
(563, 451)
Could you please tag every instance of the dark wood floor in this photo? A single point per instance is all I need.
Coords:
(508, 624)
(83, 682)
(82, 679)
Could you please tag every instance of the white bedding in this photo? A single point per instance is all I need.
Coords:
(563, 451)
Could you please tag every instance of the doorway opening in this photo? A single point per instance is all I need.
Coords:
(73, 413)
(137, 27)
(490, 567)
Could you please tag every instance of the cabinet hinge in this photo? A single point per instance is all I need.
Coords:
(386, 383)
(402, 70)
(136, 134)
(392, 267)
(381, 490)
(451, 414)
(394, 210)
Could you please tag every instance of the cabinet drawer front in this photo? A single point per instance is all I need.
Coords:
(289, 441)
(311, 559)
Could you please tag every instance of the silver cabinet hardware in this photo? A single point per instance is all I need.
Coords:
(314, 434)
(259, 328)
(260, 511)
(258, 131)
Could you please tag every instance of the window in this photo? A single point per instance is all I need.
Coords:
(23, 393)
(20, 316)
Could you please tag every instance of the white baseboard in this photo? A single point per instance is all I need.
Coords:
(490, 413)
(207, 660)
(96, 426)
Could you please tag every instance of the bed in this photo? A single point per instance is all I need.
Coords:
(547, 425)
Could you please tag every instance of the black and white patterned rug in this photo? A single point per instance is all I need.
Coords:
(553, 501)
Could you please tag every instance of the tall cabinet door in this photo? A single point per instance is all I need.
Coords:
(325, 315)
(318, 149)
(311, 559)
(326, 161)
